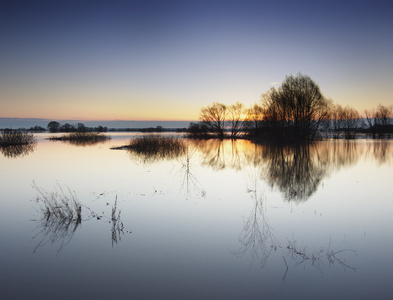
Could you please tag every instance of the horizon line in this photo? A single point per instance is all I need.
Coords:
(97, 120)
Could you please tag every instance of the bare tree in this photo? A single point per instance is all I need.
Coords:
(336, 120)
(379, 121)
(235, 114)
(213, 116)
(351, 121)
(345, 120)
(254, 119)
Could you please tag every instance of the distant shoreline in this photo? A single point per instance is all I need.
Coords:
(114, 125)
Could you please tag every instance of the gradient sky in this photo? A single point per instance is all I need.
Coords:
(164, 60)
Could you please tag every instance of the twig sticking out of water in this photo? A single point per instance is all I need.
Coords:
(316, 257)
(117, 225)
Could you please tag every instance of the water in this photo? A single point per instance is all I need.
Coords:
(15, 123)
(228, 220)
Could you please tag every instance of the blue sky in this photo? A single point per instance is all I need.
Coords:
(164, 60)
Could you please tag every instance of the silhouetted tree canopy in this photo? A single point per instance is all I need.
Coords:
(295, 110)
(53, 126)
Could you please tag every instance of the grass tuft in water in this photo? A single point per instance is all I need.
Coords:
(153, 147)
(81, 138)
(156, 144)
(61, 216)
(59, 205)
(11, 137)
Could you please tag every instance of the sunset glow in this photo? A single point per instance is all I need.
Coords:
(165, 60)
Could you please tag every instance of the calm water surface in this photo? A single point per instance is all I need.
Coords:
(227, 220)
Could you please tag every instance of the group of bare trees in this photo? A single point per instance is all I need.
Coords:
(344, 120)
(347, 121)
(218, 118)
(295, 111)
(379, 121)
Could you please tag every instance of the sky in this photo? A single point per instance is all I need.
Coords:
(164, 60)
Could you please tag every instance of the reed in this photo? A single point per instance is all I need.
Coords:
(11, 137)
(61, 217)
(156, 144)
(59, 205)
(154, 147)
(81, 138)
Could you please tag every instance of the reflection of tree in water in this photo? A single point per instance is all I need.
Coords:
(381, 150)
(256, 236)
(190, 182)
(298, 170)
(258, 240)
(61, 216)
(221, 154)
(213, 153)
(293, 171)
(15, 151)
(338, 154)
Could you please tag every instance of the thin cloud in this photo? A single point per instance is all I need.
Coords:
(276, 82)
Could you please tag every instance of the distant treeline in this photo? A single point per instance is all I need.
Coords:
(150, 129)
(296, 111)
(54, 127)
